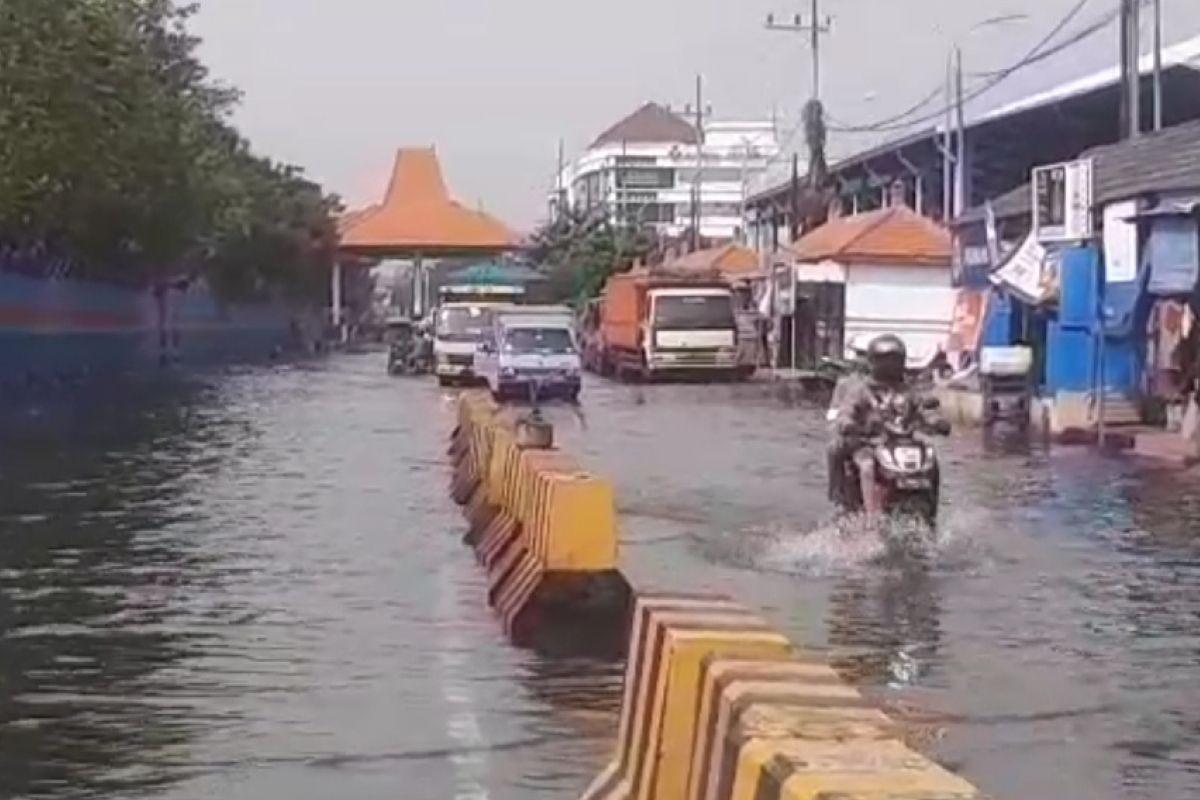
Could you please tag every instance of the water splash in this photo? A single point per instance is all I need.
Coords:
(848, 543)
(836, 546)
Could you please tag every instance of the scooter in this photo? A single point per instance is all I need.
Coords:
(903, 465)
(412, 359)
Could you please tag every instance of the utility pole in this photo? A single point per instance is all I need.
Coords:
(1131, 111)
(1158, 88)
(960, 138)
(698, 180)
(948, 149)
(815, 27)
(560, 196)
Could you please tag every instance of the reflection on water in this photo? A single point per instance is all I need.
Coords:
(252, 585)
(88, 584)
(886, 627)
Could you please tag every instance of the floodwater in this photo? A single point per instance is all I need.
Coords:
(251, 585)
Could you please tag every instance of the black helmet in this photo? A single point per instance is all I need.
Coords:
(888, 357)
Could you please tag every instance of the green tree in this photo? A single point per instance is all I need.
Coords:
(115, 152)
(579, 250)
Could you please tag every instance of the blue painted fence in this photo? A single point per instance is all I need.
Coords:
(55, 328)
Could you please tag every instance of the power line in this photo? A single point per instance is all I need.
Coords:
(1083, 34)
(1033, 56)
(933, 94)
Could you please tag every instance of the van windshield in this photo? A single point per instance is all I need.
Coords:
(538, 340)
(463, 324)
(693, 312)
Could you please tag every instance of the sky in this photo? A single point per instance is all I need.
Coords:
(336, 86)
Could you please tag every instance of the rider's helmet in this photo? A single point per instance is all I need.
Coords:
(887, 356)
(860, 345)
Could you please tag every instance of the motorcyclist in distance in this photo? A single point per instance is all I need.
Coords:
(863, 404)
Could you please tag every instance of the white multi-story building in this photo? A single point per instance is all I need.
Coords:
(643, 171)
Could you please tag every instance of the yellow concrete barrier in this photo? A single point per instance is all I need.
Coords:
(718, 707)
(544, 530)
(671, 636)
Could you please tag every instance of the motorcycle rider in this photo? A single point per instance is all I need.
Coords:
(861, 409)
(422, 353)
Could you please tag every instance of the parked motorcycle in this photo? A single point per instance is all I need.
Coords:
(409, 357)
(904, 475)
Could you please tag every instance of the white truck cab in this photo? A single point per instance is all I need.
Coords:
(691, 328)
(458, 328)
(531, 353)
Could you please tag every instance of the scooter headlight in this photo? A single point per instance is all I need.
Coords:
(887, 459)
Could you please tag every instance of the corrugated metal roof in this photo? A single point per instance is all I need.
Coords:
(1185, 54)
(1162, 161)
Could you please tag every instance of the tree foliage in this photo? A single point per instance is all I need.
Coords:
(116, 153)
(579, 250)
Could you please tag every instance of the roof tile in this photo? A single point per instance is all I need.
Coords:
(896, 235)
(650, 124)
(418, 216)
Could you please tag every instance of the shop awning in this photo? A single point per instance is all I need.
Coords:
(494, 273)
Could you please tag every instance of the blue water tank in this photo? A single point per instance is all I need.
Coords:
(1070, 358)
(1122, 365)
(999, 325)
(1079, 284)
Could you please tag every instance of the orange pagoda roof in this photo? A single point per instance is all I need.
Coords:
(896, 235)
(417, 216)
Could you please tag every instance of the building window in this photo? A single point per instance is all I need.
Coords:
(636, 161)
(646, 213)
(712, 174)
(643, 178)
(708, 210)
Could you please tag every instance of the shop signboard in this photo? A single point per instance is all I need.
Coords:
(1120, 242)
(1028, 273)
(1062, 202)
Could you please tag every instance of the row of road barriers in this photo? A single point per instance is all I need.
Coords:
(717, 704)
(544, 530)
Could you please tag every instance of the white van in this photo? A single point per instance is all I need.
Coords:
(531, 353)
(457, 331)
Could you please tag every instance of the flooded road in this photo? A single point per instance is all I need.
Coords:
(1046, 644)
(252, 585)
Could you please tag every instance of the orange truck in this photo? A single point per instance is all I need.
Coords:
(658, 325)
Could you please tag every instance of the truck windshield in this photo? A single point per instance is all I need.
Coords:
(694, 312)
(538, 340)
(460, 324)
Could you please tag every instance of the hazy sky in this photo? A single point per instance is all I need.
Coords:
(336, 85)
